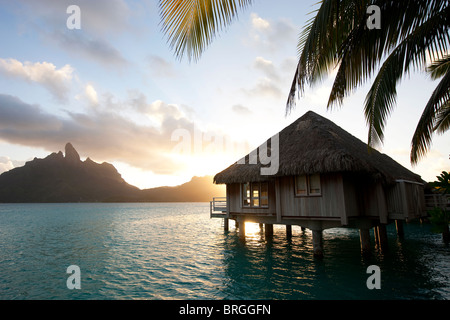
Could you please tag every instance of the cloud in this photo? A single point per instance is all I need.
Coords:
(272, 35)
(91, 95)
(5, 164)
(265, 87)
(270, 84)
(102, 21)
(267, 67)
(241, 110)
(259, 23)
(103, 134)
(99, 18)
(160, 67)
(99, 134)
(56, 81)
(20, 119)
(95, 49)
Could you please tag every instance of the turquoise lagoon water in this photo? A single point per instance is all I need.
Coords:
(175, 251)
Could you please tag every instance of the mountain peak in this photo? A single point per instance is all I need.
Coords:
(71, 155)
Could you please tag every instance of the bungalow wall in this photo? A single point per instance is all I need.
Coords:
(402, 200)
(338, 199)
(342, 196)
(406, 200)
(329, 204)
(363, 199)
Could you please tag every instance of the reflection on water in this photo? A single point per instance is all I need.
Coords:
(284, 268)
(174, 251)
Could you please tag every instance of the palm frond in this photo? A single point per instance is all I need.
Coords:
(409, 54)
(439, 68)
(436, 109)
(443, 119)
(338, 37)
(318, 44)
(191, 25)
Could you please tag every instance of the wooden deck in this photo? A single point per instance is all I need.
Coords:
(437, 200)
(218, 207)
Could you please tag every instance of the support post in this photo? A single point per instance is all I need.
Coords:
(317, 243)
(399, 227)
(261, 226)
(375, 233)
(225, 224)
(242, 230)
(382, 237)
(364, 237)
(288, 231)
(269, 230)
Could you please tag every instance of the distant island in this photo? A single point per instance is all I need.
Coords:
(65, 178)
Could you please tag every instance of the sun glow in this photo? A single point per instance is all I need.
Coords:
(252, 229)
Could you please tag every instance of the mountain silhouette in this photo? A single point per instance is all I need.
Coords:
(65, 178)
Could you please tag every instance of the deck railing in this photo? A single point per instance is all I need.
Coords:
(218, 207)
(437, 200)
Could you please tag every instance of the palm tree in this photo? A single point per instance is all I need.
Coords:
(338, 37)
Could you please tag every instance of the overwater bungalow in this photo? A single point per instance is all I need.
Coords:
(326, 178)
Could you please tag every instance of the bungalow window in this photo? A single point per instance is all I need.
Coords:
(246, 195)
(308, 185)
(314, 185)
(255, 194)
(301, 185)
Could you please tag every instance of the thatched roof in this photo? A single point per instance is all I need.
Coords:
(313, 144)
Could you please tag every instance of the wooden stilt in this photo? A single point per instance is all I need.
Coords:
(225, 224)
(288, 231)
(261, 226)
(375, 233)
(269, 230)
(399, 227)
(242, 230)
(317, 243)
(236, 224)
(382, 237)
(364, 237)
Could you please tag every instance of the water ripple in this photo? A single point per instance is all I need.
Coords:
(174, 251)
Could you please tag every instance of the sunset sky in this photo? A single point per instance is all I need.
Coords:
(115, 90)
